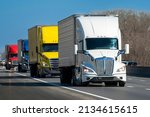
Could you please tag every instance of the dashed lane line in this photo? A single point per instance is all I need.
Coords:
(21, 74)
(147, 89)
(130, 86)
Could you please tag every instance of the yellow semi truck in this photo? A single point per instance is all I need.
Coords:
(43, 50)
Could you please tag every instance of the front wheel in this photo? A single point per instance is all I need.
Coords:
(122, 84)
(76, 81)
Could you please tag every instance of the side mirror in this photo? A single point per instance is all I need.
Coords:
(120, 52)
(126, 48)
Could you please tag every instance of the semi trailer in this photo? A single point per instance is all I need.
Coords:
(11, 56)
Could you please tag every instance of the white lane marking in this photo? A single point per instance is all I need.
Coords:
(147, 89)
(130, 86)
(83, 92)
(21, 74)
(41, 80)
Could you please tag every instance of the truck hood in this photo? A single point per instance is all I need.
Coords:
(103, 53)
(50, 55)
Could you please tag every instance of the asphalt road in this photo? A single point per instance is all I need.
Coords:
(20, 86)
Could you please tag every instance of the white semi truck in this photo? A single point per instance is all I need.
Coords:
(90, 50)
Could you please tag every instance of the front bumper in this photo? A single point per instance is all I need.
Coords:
(97, 79)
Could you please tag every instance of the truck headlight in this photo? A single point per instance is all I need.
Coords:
(9, 62)
(44, 64)
(121, 69)
(87, 70)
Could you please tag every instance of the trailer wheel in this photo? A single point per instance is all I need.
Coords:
(63, 76)
(31, 71)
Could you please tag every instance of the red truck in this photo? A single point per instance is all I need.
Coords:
(11, 52)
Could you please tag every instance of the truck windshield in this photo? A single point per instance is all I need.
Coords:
(101, 43)
(50, 47)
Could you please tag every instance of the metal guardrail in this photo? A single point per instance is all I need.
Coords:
(138, 71)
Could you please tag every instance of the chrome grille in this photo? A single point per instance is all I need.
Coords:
(104, 66)
(54, 63)
(14, 62)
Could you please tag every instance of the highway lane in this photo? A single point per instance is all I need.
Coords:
(20, 86)
(14, 86)
(136, 88)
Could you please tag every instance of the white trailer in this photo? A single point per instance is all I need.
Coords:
(90, 50)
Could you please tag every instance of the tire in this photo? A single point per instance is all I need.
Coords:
(24, 68)
(122, 84)
(62, 81)
(19, 68)
(8, 67)
(76, 82)
(62, 76)
(41, 75)
(31, 71)
(36, 70)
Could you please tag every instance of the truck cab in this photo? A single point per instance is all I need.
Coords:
(11, 56)
(97, 50)
(23, 55)
(43, 50)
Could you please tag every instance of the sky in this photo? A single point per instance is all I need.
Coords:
(17, 16)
